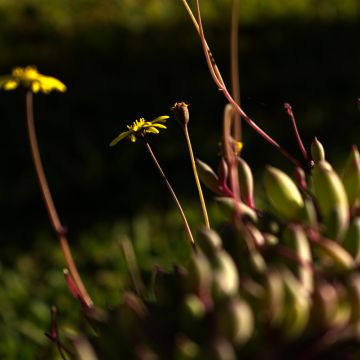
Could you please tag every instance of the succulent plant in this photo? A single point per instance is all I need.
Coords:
(276, 286)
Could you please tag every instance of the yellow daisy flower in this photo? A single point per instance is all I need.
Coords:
(141, 127)
(30, 78)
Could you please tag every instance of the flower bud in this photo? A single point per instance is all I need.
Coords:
(330, 196)
(246, 182)
(351, 176)
(208, 176)
(317, 151)
(181, 113)
(283, 194)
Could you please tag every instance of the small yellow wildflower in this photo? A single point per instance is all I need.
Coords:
(140, 127)
(30, 78)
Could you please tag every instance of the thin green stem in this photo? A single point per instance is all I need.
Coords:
(48, 200)
(198, 185)
(177, 203)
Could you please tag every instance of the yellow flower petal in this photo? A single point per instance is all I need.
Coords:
(35, 86)
(10, 85)
(160, 126)
(30, 78)
(120, 137)
(162, 119)
(153, 130)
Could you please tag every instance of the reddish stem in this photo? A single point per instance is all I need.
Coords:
(290, 113)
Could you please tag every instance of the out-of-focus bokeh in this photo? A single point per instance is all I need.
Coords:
(125, 59)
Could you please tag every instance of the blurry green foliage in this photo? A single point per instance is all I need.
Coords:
(32, 281)
(68, 16)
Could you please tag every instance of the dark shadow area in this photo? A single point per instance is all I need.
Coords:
(115, 77)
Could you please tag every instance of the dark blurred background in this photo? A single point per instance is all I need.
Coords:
(122, 60)
(126, 59)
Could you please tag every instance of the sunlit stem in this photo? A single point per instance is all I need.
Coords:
(49, 203)
(198, 185)
(234, 65)
(177, 203)
(215, 73)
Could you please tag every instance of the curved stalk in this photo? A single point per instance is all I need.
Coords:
(234, 65)
(198, 185)
(49, 203)
(177, 203)
(215, 73)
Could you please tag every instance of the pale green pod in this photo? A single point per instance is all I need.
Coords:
(341, 258)
(226, 277)
(352, 239)
(246, 182)
(296, 238)
(192, 313)
(331, 197)
(207, 176)
(343, 308)
(199, 274)
(283, 194)
(351, 176)
(270, 239)
(229, 208)
(256, 235)
(193, 307)
(209, 242)
(274, 297)
(186, 349)
(317, 151)
(236, 321)
(310, 216)
(336, 224)
(257, 261)
(297, 306)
